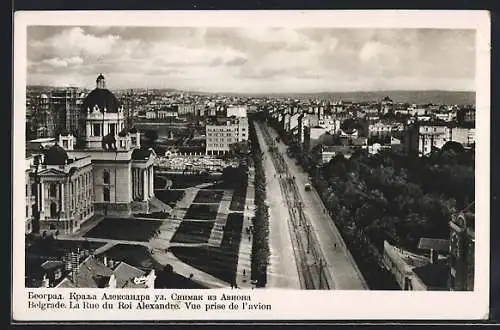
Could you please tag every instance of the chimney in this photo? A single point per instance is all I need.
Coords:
(45, 281)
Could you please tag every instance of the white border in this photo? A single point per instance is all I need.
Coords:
(287, 304)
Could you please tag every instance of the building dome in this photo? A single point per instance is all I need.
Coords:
(102, 98)
(56, 155)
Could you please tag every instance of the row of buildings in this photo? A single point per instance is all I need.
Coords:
(183, 111)
(342, 132)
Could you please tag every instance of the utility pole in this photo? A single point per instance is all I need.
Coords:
(308, 238)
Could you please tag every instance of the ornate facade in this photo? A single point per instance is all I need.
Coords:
(107, 173)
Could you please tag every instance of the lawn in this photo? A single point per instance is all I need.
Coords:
(202, 212)
(193, 232)
(169, 196)
(220, 262)
(238, 200)
(180, 181)
(208, 196)
(127, 229)
(57, 248)
(159, 182)
(232, 232)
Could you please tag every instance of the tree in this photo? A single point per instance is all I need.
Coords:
(453, 146)
(164, 277)
(150, 136)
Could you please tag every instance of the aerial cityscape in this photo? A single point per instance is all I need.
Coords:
(199, 158)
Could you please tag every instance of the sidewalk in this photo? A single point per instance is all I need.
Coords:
(180, 209)
(220, 220)
(245, 251)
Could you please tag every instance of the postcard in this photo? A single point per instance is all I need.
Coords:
(251, 165)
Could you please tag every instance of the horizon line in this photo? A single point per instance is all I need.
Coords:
(267, 93)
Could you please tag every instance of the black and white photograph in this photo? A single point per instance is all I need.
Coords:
(252, 157)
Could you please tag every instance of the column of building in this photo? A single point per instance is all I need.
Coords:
(42, 201)
(145, 185)
(61, 191)
(151, 181)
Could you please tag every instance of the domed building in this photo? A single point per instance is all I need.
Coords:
(107, 173)
(123, 182)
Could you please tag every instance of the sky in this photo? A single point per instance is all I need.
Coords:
(252, 60)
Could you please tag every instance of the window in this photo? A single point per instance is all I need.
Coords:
(112, 128)
(26, 191)
(52, 190)
(33, 189)
(65, 144)
(105, 176)
(106, 194)
(53, 210)
(97, 129)
(27, 211)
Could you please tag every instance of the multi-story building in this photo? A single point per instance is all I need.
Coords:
(65, 191)
(66, 106)
(380, 129)
(186, 109)
(224, 132)
(43, 121)
(236, 111)
(169, 113)
(422, 138)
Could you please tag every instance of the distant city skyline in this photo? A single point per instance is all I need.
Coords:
(252, 60)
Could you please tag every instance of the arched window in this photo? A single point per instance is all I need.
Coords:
(53, 210)
(52, 190)
(105, 176)
(106, 194)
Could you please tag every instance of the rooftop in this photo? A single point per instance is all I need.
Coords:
(441, 245)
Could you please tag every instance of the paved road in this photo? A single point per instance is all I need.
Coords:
(344, 271)
(282, 270)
